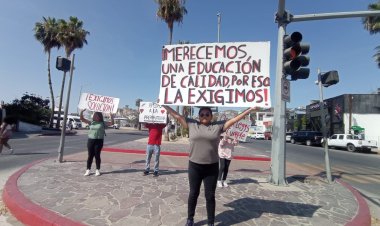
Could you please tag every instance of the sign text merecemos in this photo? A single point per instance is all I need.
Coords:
(100, 103)
(216, 74)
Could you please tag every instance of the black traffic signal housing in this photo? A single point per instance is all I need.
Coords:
(63, 64)
(294, 58)
(329, 78)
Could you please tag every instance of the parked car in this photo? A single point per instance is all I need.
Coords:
(351, 142)
(256, 135)
(288, 136)
(74, 122)
(307, 137)
(268, 135)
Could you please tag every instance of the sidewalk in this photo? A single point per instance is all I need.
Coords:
(47, 192)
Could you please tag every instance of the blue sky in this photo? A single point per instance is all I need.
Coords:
(123, 55)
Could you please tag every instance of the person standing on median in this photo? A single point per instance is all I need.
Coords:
(226, 147)
(154, 145)
(6, 131)
(204, 136)
(95, 139)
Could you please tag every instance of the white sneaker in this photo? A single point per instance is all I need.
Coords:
(219, 184)
(225, 183)
(97, 173)
(87, 173)
(11, 151)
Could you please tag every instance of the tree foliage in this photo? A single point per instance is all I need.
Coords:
(372, 24)
(171, 11)
(30, 108)
(46, 33)
(72, 36)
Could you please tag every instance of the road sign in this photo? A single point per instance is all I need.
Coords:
(285, 90)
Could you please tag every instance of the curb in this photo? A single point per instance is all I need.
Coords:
(171, 153)
(363, 215)
(25, 210)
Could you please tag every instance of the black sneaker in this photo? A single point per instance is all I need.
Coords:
(155, 174)
(189, 222)
(146, 173)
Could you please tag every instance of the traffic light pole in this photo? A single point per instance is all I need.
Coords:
(63, 131)
(323, 122)
(277, 168)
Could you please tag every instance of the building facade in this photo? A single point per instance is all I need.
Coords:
(348, 113)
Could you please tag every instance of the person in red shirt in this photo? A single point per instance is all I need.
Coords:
(154, 145)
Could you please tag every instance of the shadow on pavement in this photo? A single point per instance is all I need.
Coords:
(243, 181)
(256, 207)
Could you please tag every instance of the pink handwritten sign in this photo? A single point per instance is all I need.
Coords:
(239, 130)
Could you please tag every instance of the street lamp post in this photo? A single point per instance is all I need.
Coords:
(63, 132)
(326, 79)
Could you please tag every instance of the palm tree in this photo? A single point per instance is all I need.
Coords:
(72, 36)
(372, 24)
(46, 33)
(171, 11)
(138, 100)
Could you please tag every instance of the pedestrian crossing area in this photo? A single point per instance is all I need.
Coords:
(362, 175)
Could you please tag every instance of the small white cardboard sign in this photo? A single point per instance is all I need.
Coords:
(152, 113)
(100, 103)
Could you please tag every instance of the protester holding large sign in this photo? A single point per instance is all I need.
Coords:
(95, 139)
(203, 159)
(216, 74)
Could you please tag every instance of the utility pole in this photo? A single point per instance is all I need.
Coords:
(219, 15)
(219, 20)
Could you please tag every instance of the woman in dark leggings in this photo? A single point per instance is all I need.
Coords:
(95, 139)
(203, 158)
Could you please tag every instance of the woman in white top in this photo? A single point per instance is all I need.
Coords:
(226, 147)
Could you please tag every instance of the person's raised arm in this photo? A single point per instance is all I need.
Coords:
(239, 117)
(177, 116)
(82, 118)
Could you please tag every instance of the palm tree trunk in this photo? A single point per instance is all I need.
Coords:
(51, 94)
(170, 33)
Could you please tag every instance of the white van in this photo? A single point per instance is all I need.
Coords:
(73, 122)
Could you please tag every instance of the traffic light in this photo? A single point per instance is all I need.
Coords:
(329, 78)
(294, 57)
(63, 64)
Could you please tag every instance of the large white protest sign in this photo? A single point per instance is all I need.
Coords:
(152, 113)
(95, 102)
(216, 74)
(239, 130)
